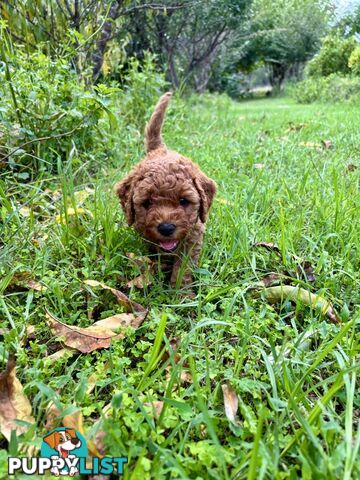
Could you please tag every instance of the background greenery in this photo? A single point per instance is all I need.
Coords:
(78, 80)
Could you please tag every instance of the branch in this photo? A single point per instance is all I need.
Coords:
(40, 139)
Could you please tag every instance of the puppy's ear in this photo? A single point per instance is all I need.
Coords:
(53, 439)
(71, 432)
(124, 190)
(207, 189)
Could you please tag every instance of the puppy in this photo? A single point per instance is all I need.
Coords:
(166, 197)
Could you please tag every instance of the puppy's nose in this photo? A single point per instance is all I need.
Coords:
(166, 229)
(74, 441)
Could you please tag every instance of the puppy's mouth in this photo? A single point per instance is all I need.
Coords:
(169, 245)
(64, 453)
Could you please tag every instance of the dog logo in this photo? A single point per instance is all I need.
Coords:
(64, 452)
(64, 446)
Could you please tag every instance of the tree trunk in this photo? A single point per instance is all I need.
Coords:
(98, 55)
(277, 72)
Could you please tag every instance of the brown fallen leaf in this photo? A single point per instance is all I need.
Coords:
(141, 281)
(97, 336)
(84, 340)
(231, 402)
(174, 345)
(306, 270)
(52, 414)
(75, 420)
(288, 292)
(156, 406)
(14, 403)
(24, 280)
(269, 246)
(271, 279)
(62, 353)
(295, 127)
(120, 320)
(121, 297)
(351, 167)
(327, 144)
(185, 376)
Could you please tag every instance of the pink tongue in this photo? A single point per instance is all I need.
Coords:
(168, 244)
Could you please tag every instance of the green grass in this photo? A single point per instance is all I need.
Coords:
(293, 371)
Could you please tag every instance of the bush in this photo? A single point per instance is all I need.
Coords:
(333, 57)
(354, 61)
(48, 116)
(334, 88)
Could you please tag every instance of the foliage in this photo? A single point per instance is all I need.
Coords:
(333, 88)
(48, 117)
(283, 34)
(293, 371)
(333, 56)
(354, 61)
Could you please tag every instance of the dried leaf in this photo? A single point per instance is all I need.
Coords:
(271, 279)
(70, 212)
(351, 167)
(174, 345)
(306, 270)
(120, 320)
(25, 211)
(82, 195)
(75, 420)
(84, 340)
(121, 297)
(52, 414)
(269, 246)
(288, 292)
(62, 353)
(296, 127)
(310, 145)
(34, 285)
(231, 402)
(14, 403)
(97, 336)
(141, 281)
(157, 407)
(327, 144)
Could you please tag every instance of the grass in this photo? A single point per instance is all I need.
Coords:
(294, 372)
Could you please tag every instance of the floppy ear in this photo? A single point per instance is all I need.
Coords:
(71, 432)
(207, 189)
(124, 190)
(52, 440)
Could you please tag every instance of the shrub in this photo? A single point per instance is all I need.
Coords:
(334, 88)
(49, 116)
(354, 61)
(333, 57)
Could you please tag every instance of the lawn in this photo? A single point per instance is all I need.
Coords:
(287, 175)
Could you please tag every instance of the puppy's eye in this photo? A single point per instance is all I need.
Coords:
(147, 204)
(184, 202)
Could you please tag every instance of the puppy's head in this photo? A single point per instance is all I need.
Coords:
(164, 199)
(63, 441)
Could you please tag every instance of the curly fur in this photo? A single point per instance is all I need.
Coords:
(166, 187)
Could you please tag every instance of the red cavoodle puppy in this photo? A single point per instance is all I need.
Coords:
(166, 197)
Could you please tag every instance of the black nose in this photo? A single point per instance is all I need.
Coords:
(166, 229)
(74, 441)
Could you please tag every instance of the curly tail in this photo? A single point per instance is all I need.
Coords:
(153, 138)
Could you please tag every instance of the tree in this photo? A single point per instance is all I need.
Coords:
(283, 34)
(188, 36)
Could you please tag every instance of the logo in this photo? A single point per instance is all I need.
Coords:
(64, 452)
